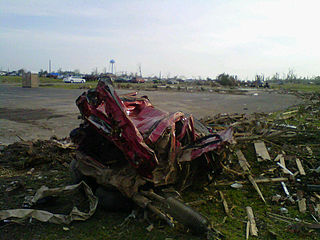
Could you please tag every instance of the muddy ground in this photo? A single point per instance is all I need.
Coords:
(39, 113)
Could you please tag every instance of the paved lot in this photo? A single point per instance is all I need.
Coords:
(31, 113)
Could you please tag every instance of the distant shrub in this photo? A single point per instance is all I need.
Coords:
(226, 80)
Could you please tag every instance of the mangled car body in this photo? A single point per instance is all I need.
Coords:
(127, 144)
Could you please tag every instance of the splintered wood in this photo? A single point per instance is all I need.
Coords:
(300, 167)
(248, 229)
(256, 187)
(225, 204)
(288, 115)
(252, 223)
(283, 163)
(242, 161)
(278, 157)
(261, 151)
(245, 166)
(261, 180)
(302, 205)
(309, 150)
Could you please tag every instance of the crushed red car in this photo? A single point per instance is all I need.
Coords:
(127, 144)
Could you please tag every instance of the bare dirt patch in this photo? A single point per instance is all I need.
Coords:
(22, 115)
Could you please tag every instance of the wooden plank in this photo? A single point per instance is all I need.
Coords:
(225, 204)
(248, 229)
(245, 166)
(277, 157)
(302, 205)
(300, 167)
(253, 227)
(242, 161)
(261, 151)
(309, 150)
(283, 163)
(256, 187)
(262, 180)
(288, 115)
(266, 180)
(290, 112)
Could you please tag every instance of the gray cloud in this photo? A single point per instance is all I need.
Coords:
(191, 38)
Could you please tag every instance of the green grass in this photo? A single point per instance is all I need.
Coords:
(148, 86)
(58, 83)
(298, 87)
(48, 82)
(17, 80)
(10, 79)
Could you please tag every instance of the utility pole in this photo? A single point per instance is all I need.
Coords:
(49, 66)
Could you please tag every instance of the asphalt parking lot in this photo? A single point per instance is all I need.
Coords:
(39, 113)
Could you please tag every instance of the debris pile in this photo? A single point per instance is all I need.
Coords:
(287, 159)
(28, 154)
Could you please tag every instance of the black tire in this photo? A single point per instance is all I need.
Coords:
(113, 200)
(77, 176)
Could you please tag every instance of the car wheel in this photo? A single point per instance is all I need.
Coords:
(112, 200)
(77, 176)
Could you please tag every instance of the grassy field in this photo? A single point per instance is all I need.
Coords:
(298, 87)
(188, 87)
(58, 83)
(46, 82)
(18, 80)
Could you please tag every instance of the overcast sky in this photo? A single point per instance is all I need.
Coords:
(184, 38)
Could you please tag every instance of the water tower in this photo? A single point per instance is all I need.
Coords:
(112, 63)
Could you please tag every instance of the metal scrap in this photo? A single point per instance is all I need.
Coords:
(45, 216)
